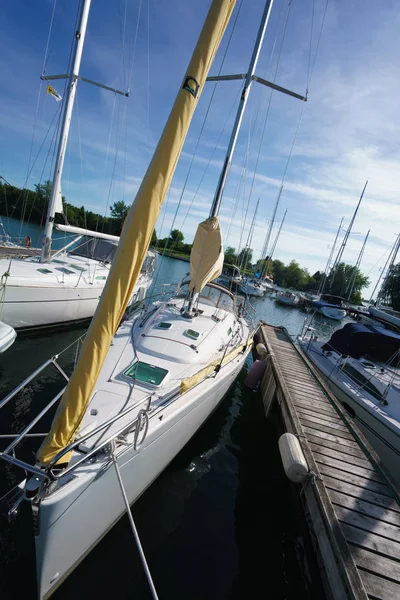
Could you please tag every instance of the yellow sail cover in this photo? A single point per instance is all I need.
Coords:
(206, 257)
(135, 239)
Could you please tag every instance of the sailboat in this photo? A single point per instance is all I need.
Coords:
(65, 286)
(143, 387)
(360, 363)
(330, 305)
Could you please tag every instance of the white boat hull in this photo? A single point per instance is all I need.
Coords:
(383, 438)
(7, 336)
(37, 306)
(286, 301)
(72, 521)
(337, 314)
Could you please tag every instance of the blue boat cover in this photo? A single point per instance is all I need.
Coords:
(357, 339)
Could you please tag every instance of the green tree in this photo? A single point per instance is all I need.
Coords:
(340, 282)
(153, 240)
(295, 276)
(119, 210)
(390, 293)
(278, 271)
(229, 256)
(176, 238)
(244, 258)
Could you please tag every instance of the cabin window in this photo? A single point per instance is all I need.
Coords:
(355, 375)
(76, 267)
(44, 271)
(100, 278)
(146, 373)
(192, 334)
(229, 331)
(164, 325)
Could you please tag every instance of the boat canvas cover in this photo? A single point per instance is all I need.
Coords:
(96, 248)
(135, 238)
(357, 339)
(206, 257)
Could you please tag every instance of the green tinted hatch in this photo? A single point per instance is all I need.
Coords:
(141, 371)
(192, 333)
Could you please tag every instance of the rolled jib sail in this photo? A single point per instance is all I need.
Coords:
(135, 239)
(206, 257)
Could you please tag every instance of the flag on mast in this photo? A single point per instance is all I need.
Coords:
(50, 90)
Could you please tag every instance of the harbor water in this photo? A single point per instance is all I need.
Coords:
(220, 522)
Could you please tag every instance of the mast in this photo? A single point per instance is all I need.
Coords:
(242, 105)
(346, 237)
(65, 125)
(268, 236)
(275, 243)
(352, 281)
(323, 280)
(250, 235)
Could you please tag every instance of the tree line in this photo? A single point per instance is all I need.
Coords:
(390, 292)
(31, 206)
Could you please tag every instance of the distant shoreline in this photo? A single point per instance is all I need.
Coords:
(175, 255)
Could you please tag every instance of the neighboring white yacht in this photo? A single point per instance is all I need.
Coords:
(51, 289)
(68, 286)
(330, 306)
(287, 298)
(361, 363)
(252, 287)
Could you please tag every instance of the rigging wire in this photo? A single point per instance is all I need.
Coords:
(124, 114)
(309, 78)
(270, 97)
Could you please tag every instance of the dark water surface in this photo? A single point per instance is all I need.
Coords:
(221, 522)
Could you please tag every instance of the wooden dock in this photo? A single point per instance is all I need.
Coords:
(351, 506)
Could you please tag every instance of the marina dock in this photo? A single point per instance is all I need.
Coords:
(350, 504)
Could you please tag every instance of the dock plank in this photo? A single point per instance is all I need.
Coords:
(362, 506)
(332, 430)
(333, 438)
(338, 425)
(371, 541)
(375, 563)
(367, 495)
(334, 453)
(322, 441)
(380, 588)
(348, 467)
(319, 410)
(327, 417)
(361, 482)
(368, 524)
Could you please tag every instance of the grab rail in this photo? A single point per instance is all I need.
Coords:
(98, 429)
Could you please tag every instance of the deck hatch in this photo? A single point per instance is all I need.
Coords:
(146, 373)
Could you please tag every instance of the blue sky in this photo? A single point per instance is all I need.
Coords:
(349, 131)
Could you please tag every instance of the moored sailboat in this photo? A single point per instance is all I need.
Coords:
(51, 289)
(142, 386)
(135, 403)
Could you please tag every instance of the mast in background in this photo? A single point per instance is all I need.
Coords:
(64, 130)
(344, 242)
(352, 281)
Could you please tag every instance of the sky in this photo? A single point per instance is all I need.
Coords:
(347, 132)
